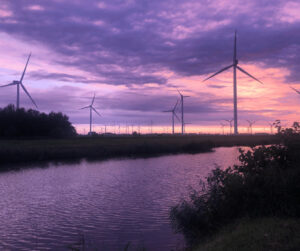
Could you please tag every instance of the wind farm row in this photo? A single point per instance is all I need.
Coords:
(178, 106)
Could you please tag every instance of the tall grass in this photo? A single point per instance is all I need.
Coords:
(26, 151)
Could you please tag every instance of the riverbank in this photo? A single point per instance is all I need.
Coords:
(262, 234)
(104, 147)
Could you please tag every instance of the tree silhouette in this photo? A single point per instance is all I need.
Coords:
(15, 123)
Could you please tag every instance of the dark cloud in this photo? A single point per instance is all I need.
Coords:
(126, 42)
(130, 42)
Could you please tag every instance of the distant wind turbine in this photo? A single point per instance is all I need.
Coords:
(182, 111)
(91, 112)
(19, 83)
(173, 111)
(230, 124)
(271, 127)
(235, 66)
(251, 123)
(185, 125)
(222, 125)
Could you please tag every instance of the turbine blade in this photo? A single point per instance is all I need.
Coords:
(242, 70)
(175, 105)
(95, 111)
(290, 87)
(84, 107)
(234, 47)
(176, 116)
(8, 84)
(25, 68)
(23, 87)
(93, 99)
(179, 92)
(218, 72)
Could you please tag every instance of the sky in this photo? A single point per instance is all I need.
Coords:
(135, 54)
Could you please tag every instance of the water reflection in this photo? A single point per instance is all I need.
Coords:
(110, 203)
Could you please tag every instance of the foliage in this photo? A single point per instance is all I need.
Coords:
(266, 183)
(262, 234)
(16, 123)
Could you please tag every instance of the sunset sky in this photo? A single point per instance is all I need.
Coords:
(135, 54)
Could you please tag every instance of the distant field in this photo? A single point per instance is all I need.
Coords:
(102, 147)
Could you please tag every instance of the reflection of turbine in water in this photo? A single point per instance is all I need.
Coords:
(91, 111)
(173, 111)
(19, 83)
(235, 66)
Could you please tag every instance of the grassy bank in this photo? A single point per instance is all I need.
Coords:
(263, 234)
(28, 151)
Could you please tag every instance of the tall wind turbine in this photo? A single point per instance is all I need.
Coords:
(182, 111)
(235, 66)
(19, 83)
(251, 123)
(173, 111)
(91, 112)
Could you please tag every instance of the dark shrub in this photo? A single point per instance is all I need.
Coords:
(266, 183)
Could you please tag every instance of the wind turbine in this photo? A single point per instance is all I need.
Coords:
(230, 124)
(250, 125)
(235, 66)
(173, 115)
(271, 127)
(222, 125)
(182, 111)
(19, 83)
(186, 124)
(91, 112)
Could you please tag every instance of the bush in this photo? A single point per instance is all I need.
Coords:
(16, 123)
(266, 183)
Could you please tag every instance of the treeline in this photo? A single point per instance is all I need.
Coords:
(21, 123)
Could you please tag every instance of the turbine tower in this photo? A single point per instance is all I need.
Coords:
(182, 111)
(235, 66)
(91, 112)
(19, 83)
(251, 123)
(173, 115)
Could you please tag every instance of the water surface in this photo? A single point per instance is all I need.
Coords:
(110, 203)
